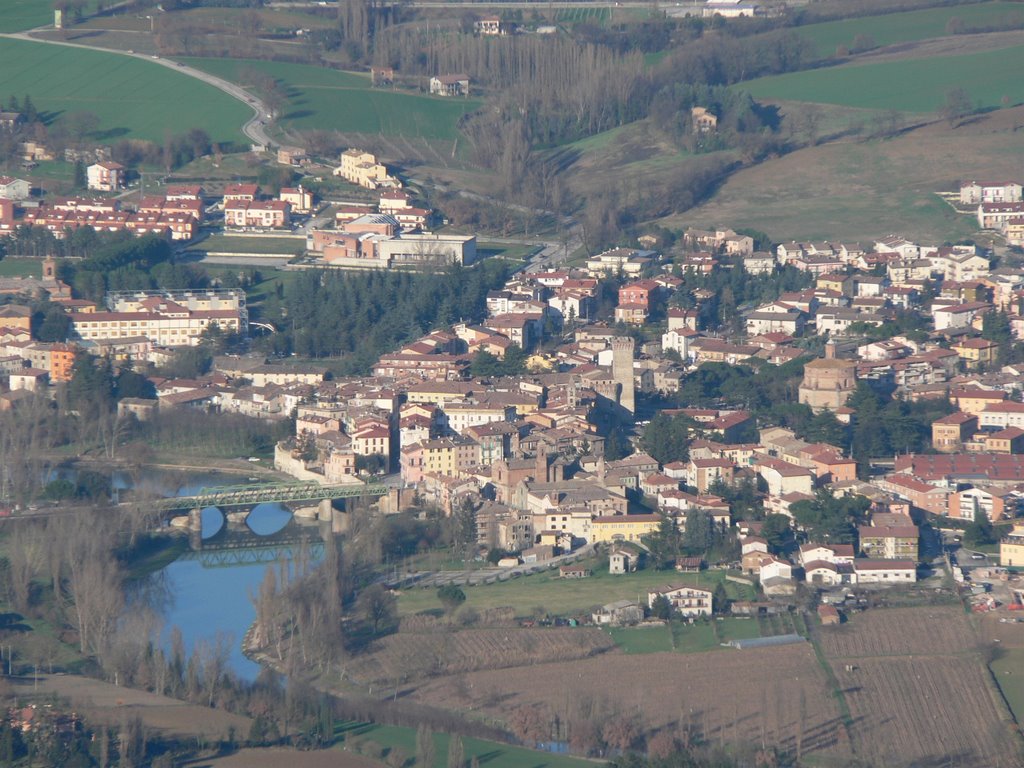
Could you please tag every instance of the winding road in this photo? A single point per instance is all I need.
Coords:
(256, 127)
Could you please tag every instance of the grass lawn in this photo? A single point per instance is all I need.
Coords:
(738, 629)
(328, 99)
(263, 245)
(694, 638)
(492, 754)
(14, 267)
(643, 639)
(568, 596)
(683, 637)
(1008, 670)
(890, 28)
(914, 85)
(19, 15)
(132, 98)
(486, 250)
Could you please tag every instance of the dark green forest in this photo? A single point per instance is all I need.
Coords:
(359, 316)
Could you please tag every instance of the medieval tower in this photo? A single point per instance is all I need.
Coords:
(622, 371)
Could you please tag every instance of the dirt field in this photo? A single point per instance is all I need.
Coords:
(778, 694)
(855, 190)
(103, 703)
(900, 631)
(277, 757)
(918, 690)
(926, 711)
(419, 654)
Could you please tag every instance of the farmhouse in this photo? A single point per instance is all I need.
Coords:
(703, 120)
(105, 177)
(449, 85)
(14, 189)
(689, 602)
(493, 25)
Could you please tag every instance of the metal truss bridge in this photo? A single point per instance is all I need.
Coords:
(216, 555)
(244, 495)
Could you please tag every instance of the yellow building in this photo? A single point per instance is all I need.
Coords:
(1011, 548)
(976, 353)
(612, 528)
(974, 401)
(16, 316)
(362, 168)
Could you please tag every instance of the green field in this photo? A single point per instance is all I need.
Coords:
(654, 639)
(589, 15)
(512, 252)
(1008, 671)
(569, 596)
(891, 28)
(132, 98)
(329, 99)
(261, 245)
(700, 636)
(491, 754)
(915, 85)
(13, 267)
(19, 15)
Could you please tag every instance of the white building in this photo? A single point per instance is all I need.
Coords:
(689, 602)
(105, 177)
(14, 189)
(884, 571)
(975, 192)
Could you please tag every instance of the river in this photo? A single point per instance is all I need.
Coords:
(198, 593)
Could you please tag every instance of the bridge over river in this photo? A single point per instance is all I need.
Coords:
(251, 495)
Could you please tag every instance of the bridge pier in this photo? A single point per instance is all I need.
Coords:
(337, 518)
(195, 529)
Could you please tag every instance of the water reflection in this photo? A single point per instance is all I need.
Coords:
(268, 519)
(212, 522)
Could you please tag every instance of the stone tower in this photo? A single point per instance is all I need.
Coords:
(828, 383)
(622, 371)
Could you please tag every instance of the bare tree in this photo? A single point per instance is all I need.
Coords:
(25, 553)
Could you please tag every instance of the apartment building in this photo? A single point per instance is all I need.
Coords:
(257, 214)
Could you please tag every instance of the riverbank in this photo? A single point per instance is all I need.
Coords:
(184, 463)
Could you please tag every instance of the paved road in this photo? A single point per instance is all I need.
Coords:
(254, 129)
(505, 3)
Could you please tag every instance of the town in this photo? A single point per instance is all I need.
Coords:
(441, 385)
